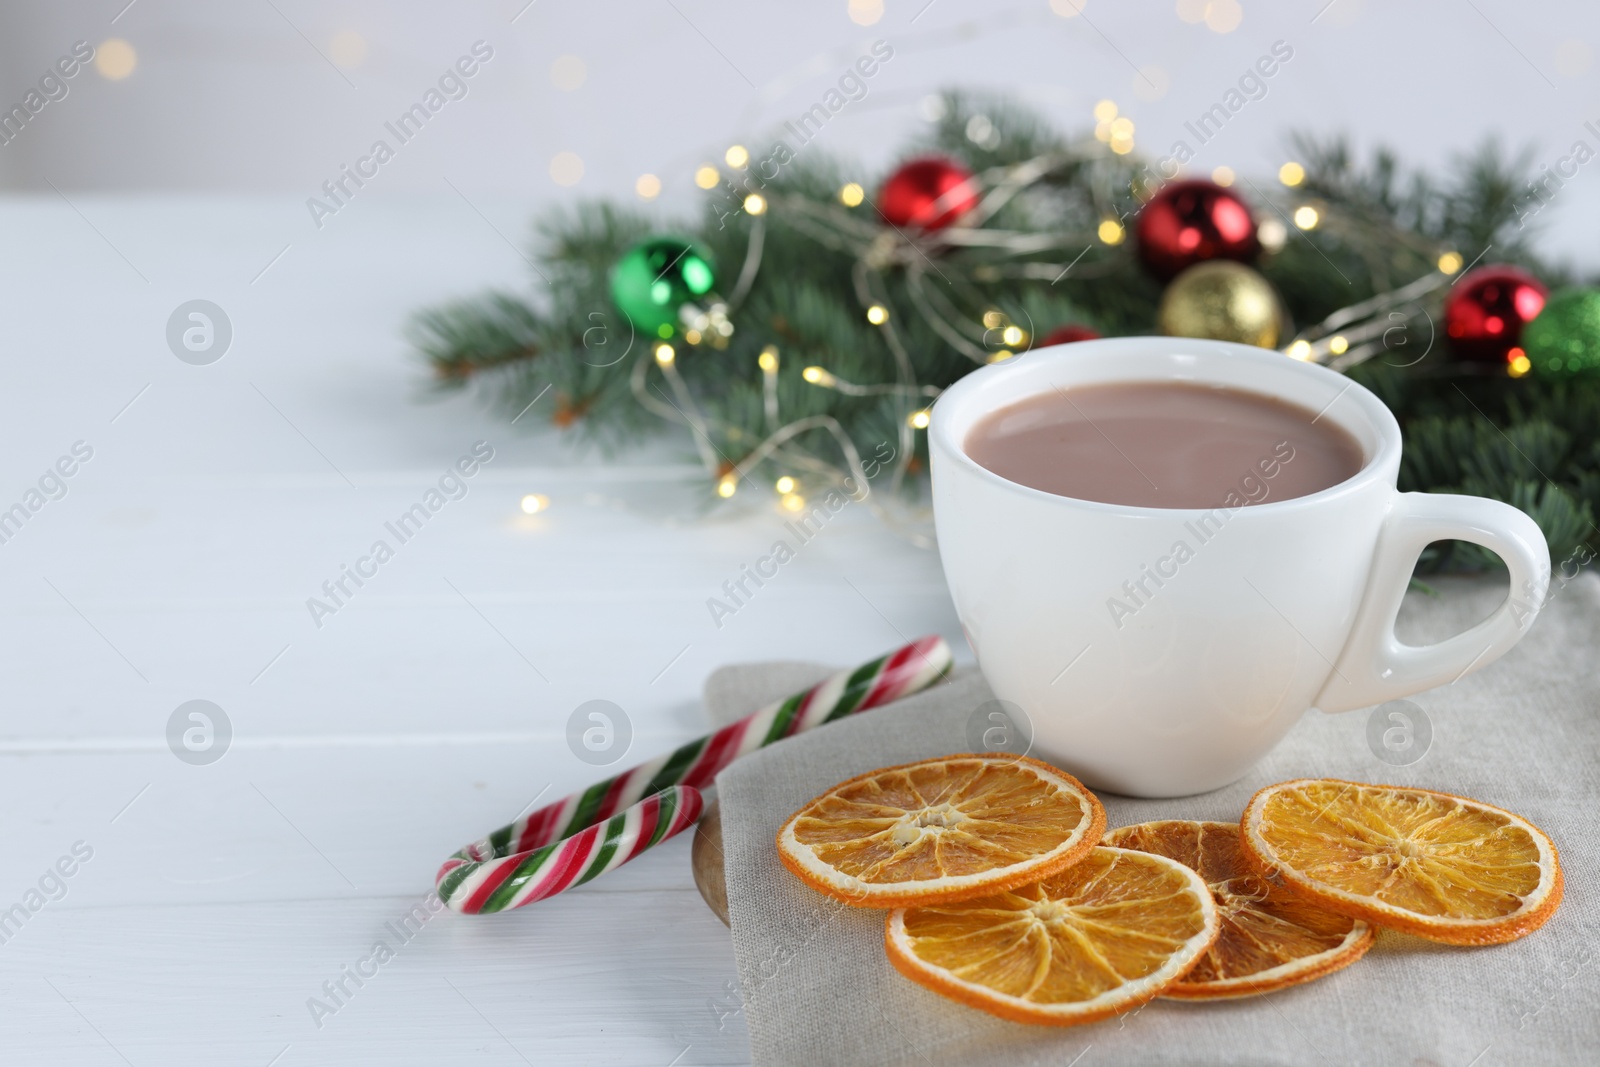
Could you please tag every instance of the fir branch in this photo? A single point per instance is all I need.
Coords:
(1528, 442)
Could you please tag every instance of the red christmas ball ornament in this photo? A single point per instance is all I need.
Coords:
(1066, 335)
(1487, 309)
(928, 194)
(1193, 221)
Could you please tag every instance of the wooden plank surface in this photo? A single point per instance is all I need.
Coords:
(427, 710)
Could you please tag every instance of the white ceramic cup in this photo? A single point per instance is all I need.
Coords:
(1280, 606)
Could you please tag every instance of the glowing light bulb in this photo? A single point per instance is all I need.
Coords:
(1223, 176)
(918, 420)
(768, 360)
(1121, 136)
(1111, 231)
(1272, 234)
(817, 376)
(1306, 217)
(1450, 262)
(665, 354)
(737, 156)
(1300, 350)
(1223, 16)
(1518, 363)
(727, 486)
(755, 204)
(114, 59)
(1001, 355)
(877, 314)
(1291, 174)
(1338, 344)
(1013, 335)
(852, 194)
(784, 484)
(707, 177)
(648, 186)
(1105, 111)
(534, 503)
(865, 12)
(566, 168)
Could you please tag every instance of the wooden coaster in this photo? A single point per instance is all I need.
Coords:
(706, 856)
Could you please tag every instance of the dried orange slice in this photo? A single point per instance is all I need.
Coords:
(943, 829)
(1271, 938)
(1102, 936)
(1438, 866)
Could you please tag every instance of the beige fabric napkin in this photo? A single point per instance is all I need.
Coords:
(1524, 733)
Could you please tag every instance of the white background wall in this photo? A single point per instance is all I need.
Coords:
(255, 95)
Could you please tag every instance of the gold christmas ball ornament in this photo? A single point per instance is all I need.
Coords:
(1223, 301)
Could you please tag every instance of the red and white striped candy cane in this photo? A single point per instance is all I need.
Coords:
(576, 839)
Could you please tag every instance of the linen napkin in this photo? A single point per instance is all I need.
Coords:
(1524, 734)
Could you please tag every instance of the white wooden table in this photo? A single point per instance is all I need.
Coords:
(432, 707)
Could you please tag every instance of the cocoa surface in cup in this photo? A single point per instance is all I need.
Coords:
(1164, 445)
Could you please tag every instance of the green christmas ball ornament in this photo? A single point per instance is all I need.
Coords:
(1565, 339)
(655, 278)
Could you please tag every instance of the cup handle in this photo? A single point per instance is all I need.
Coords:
(1375, 666)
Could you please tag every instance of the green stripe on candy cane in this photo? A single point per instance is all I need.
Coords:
(785, 716)
(682, 758)
(856, 690)
(588, 809)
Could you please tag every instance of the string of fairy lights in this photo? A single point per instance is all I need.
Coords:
(1340, 341)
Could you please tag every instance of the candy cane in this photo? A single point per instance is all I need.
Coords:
(581, 837)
